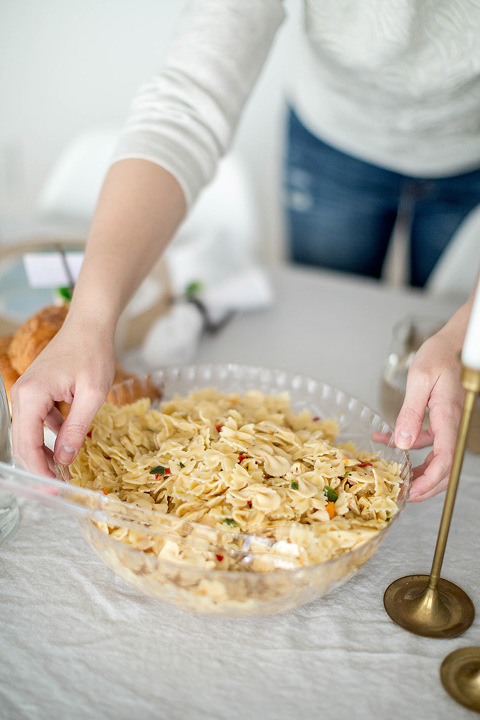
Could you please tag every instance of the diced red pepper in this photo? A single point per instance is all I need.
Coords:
(219, 558)
(317, 417)
(89, 434)
(364, 464)
(241, 457)
(218, 427)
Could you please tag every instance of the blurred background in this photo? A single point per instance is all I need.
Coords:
(68, 73)
(70, 69)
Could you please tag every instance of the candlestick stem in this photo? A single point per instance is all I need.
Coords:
(451, 492)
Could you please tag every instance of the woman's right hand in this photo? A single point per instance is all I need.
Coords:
(76, 367)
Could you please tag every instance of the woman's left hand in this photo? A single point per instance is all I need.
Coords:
(433, 382)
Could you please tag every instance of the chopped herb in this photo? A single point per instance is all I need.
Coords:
(330, 494)
(230, 521)
(182, 465)
(65, 292)
(346, 474)
(159, 470)
(294, 484)
(193, 288)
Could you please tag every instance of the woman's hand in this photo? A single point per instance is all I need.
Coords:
(76, 367)
(433, 382)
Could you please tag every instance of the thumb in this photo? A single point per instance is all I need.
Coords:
(75, 427)
(411, 415)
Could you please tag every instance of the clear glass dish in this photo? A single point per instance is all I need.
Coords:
(241, 593)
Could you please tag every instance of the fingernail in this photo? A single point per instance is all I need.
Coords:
(412, 496)
(65, 454)
(404, 439)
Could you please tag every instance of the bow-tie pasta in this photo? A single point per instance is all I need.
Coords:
(237, 464)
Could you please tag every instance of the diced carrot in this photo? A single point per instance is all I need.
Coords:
(331, 509)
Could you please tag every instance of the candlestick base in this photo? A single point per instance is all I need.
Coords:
(444, 611)
(460, 676)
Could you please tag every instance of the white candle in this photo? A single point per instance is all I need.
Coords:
(471, 345)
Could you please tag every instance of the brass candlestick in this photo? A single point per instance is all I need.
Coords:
(427, 605)
(460, 676)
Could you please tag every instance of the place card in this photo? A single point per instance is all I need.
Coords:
(49, 269)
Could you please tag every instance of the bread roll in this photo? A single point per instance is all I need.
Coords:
(34, 335)
(17, 352)
(9, 375)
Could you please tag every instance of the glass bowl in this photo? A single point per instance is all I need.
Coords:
(226, 592)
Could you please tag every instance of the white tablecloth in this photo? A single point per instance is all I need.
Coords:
(76, 641)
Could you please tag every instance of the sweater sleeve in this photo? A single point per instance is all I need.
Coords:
(184, 119)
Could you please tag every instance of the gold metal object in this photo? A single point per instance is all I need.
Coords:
(439, 609)
(460, 676)
(427, 604)
(471, 379)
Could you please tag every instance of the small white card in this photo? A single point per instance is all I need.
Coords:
(47, 269)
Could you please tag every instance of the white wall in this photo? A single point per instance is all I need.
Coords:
(66, 66)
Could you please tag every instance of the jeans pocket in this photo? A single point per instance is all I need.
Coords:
(298, 190)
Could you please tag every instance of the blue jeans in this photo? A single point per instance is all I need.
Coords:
(340, 211)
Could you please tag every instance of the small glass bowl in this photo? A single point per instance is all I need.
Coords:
(243, 593)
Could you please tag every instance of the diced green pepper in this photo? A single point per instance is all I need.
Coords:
(330, 494)
(230, 521)
(157, 470)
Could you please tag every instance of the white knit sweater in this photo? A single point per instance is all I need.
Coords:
(394, 82)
